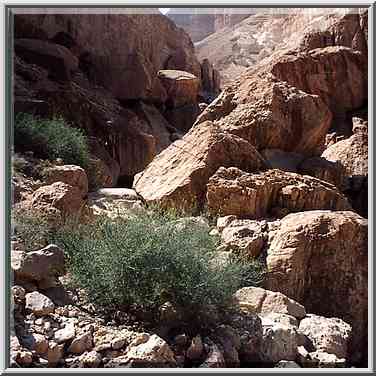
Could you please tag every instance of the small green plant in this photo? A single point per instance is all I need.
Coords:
(147, 260)
(33, 229)
(50, 139)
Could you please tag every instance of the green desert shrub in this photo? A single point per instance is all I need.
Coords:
(147, 260)
(50, 139)
(34, 230)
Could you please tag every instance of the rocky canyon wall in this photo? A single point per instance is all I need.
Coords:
(100, 71)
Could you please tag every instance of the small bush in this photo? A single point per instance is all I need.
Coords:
(31, 228)
(50, 139)
(148, 260)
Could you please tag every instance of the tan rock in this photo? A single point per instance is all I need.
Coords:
(103, 338)
(90, 359)
(65, 334)
(178, 176)
(271, 115)
(344, 89)
(69, 174)
(155, 351)
(311, 258)
(81, 343)
(39, 304)
(245, 237)
(116, 193)
(258, 300)
(280, 318)
(330, 335)
(40, 266)
(223, 222)
(234, 192)
(181, 87)
(61, 196)
(352, 153)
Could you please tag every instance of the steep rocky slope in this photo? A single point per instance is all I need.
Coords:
(101, 72)
(241, 45)
(278, 162)
(201, 22)
(293, 107)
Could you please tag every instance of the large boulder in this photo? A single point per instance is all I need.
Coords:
(69, 174)
(344, 89)
(351, 153)
(271, 114)
(331, 335)
(61, 196)
(319, 254)
(181, 87)
(234, 192)
(350, 31)
(259, 300)
(182, 90)
(178, 176)
(47, 55)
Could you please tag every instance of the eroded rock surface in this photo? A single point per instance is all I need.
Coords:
(317, 254)
(235, 192)
(178, 176)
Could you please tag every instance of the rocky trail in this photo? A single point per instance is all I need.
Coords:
(261, 143)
